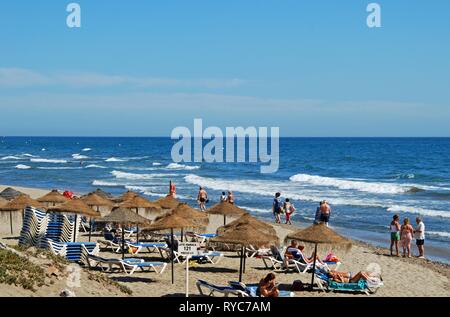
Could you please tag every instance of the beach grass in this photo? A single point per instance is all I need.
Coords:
(19, 271)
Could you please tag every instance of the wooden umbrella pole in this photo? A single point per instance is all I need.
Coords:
(172, 249)
(245, 258)
(240, 265)
(137, 227)
(224, 220)
(314, 267)
(123, 242)
(10, 221)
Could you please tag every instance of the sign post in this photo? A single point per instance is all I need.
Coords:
(187, 250)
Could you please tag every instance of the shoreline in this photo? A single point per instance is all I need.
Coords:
(422, 277)
(375, 242)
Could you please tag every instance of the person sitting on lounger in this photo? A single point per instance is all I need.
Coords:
(348, 277)
(267, 287)
(294, 251)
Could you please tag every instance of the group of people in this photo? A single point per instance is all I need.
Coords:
(202, 198)
(286, 208)
(404, 233)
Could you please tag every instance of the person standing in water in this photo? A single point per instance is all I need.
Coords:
(230, 198)
(395, 233)
(172, 189)
(223, 198)
(276, 208)
(202, 198)
(325, 212)
(288, 210)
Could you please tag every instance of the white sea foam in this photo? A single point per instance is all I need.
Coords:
(115, 159)
(58, 168)
(94, 166)
(176, 166)
(105, 183)
(420, 211)
(156, 164)
(43, 149)
(41, 160)
(22, 167)
(438, 233)
(86, 149)
(145, 190)
(78, 156)
(10, 157)
(29, 155)
(133, 176)
(370, 187)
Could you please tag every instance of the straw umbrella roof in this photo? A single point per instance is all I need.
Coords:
(248, 220)
(75, 206)
(102, 193)
(126, 196)
(139, 202)
(3, 201)
(185, 211)
(172, 221)
(10, 193)
(21, 202)
(124, 216)
(245, 234)
(168, 202)
(53, 197)
(94, 199)
(226, 209)
(322, 235)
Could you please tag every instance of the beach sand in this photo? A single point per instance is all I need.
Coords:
(401, 276)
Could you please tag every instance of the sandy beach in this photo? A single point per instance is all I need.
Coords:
(409, 277)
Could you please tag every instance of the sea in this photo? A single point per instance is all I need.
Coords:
(365, 180)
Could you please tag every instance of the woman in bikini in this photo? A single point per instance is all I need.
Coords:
(406, 233)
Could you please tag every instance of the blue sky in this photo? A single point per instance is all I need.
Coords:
(140, 68)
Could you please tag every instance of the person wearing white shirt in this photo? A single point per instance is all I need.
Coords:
(419, 234)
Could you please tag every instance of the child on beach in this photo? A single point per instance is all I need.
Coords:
(395, 233)
(288, 210)
(406, 233)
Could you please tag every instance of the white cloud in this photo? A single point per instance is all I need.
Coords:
(20, 77)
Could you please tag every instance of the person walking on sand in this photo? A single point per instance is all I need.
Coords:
(406, 234)
(202, 198)
(325, 211)
(395, 233)
(276, 208)
(419, 234)
(289, 209)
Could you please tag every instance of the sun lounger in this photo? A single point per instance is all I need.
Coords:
(128, 266)
(212, 257)
(212, 289)
(250, 290)
(149, 246)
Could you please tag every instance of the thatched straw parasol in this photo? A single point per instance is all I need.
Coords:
(125, 196)
(137, 202)
(3, 201)
(226, 209)
(19, 203)
(124, 217)
(168, 202)
(75, 206)
(244, 234)
(172, 221)
(185, 211)
(247, 219)
(95, 200)
(10, 193)
(102, 193)
(320, 234)
(54, 197)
